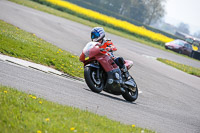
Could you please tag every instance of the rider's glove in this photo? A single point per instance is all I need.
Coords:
(102, 49)
(109, 49)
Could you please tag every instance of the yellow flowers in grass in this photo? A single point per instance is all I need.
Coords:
(34, 97)
(111, 20)
(133, 125)
(31, 96)
(39, 131)
(47, 119)
(72, 128)
(5, 91)
(59, 50)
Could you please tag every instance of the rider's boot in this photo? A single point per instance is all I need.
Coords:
(126, 73)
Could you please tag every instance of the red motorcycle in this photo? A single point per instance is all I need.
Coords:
(102, 73)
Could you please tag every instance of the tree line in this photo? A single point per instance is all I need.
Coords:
(144, 11)
(133, 11)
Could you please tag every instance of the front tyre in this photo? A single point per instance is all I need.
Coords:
(131, 93)
(90, 75)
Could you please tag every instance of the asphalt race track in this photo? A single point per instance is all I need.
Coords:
(169, 102)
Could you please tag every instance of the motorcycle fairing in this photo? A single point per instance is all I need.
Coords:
(130, 82)
(106, 62)
(93, 65)
(113, 82)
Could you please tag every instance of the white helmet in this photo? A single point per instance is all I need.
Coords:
(97, 34)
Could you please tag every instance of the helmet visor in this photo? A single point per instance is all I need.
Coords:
(95, 35)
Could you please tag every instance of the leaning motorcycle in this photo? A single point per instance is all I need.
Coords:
(101, 73)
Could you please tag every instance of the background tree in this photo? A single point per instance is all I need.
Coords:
(182, 27)
(144, 11)
(155, 10)
(138, 10)
(197, 34)
(123, 10)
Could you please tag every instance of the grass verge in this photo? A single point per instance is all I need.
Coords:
(182, 67)
(21, 112)
(18, 43)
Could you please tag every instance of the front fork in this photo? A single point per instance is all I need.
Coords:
(98, 78)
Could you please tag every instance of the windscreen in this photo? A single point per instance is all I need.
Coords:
(87, 48)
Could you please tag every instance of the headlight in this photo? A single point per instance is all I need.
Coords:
(110, 81)
(117, 75)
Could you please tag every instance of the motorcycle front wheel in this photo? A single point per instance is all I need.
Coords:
(131, 93)
(95, 84)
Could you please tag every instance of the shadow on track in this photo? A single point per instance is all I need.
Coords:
(112, 97)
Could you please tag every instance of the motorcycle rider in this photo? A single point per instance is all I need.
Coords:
(98, 35)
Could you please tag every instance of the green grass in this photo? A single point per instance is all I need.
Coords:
(182, 67)
(26, 113)
(18, 43)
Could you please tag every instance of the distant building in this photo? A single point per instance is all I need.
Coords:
(161, 25)
(182, 35)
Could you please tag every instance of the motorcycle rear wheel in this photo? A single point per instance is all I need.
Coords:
(89, 75)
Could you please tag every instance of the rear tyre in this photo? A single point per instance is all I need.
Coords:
(131, 93)
(96, 85)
